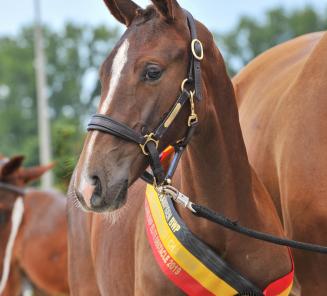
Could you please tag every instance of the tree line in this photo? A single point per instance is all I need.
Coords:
(74, 55)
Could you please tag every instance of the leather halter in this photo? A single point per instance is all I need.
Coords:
(12, 189)
(149, 143)
(9, 187)
(4, 161)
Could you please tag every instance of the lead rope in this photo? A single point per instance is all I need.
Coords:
(16, 220)
(203, 212)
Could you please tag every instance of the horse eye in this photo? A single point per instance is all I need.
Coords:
(152, 73)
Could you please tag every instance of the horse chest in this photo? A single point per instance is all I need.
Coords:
(124, 263)
(149, 278)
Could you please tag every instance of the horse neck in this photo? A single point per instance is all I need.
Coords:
(215, 169)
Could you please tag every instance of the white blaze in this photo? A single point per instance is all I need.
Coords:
(88, 154)
(118, 64)
(16, 219)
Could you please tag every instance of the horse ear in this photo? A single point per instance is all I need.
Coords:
(123, 10)
(167, 8)
(34, 173)
(12, 165)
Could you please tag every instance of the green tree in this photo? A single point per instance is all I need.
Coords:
(74, 55)
(250, 37)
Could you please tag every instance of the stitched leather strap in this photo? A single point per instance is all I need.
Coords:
(155, 163)
(182, 99)
(147, 177)
(106, 124)
(195, 67)
(174, 163)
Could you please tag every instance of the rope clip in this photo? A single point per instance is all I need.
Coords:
(175, 195)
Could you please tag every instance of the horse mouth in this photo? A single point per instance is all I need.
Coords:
(106, 201)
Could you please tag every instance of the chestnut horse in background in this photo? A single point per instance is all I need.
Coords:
(40, 247)
(283, 113)
(109, 253)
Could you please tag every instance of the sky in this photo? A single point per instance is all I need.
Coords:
(217, 15)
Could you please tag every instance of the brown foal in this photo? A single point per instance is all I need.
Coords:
(109, 254)
(282, 103)
(40, 246)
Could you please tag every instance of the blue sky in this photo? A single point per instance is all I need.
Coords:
(216, 14)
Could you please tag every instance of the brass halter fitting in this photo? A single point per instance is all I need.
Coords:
(198, 55)
(149, 138)
(186, 80)
(193, 118)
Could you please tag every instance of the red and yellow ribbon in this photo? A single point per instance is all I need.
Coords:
(184, 269)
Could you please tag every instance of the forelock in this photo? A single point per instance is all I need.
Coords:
(145, 15)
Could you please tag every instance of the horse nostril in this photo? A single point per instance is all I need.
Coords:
(97, 184)
(96, 199)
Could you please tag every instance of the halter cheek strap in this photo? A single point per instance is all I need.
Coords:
(197, 57)
(149, 143)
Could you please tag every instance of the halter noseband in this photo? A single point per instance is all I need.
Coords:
(9, 187)
(149, 143)
(12, 189)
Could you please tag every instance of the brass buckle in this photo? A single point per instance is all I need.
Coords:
(149, 138)
(193, 118)
(201, 55)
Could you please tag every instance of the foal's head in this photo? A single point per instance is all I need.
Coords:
(12, 173)
(141, 80)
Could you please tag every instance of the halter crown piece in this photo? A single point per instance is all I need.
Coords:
(149, 143)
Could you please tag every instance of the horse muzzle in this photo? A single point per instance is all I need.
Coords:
(98, 198)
